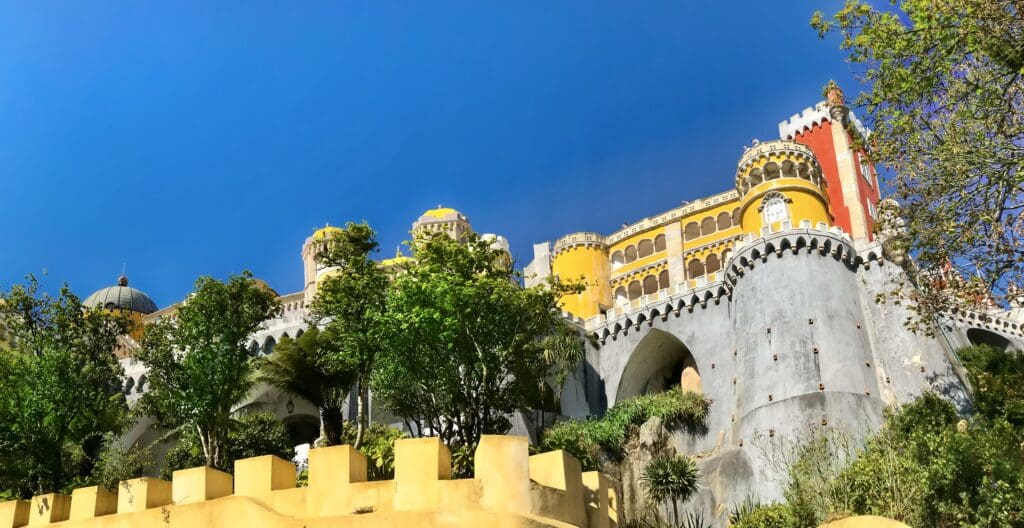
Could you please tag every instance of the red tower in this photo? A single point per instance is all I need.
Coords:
(837, 139)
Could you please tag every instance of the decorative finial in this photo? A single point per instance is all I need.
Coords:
(398, 251)
(122, 281)
(834, 94)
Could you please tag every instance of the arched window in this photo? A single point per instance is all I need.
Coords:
(650, 284)
(645, 249)
(299, 333)
(713, 264)
(788, 169)
(620, 296)
(707, 226)
(141, 385)
(630, 254)
(756, 177)
(724, 221)
(771, 171)
(774, 209)
(128, 385)
(254, 349)
(692, 231)
(659, 243)
(736, 216)
(695, 268)
(635, 290)
(663, 280)
(617, 260)
(268, 346)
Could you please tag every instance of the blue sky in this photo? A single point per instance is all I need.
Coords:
(187, 138)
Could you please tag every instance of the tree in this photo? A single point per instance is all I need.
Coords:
(348, 305)
(997, 382)
(670, 479)
(251, 435)
(312, 368)
(944, 94)
(464, 341)
(60, 388)
(199, 364)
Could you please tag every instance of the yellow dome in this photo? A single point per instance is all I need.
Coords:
(400, 259)
(441, 212)
(325, 232)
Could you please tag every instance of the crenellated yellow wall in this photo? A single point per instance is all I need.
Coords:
(510, 489)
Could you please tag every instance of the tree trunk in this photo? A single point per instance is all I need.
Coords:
(331, 424)
(361, 398)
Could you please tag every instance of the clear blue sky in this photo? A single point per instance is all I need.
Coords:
(189, 138)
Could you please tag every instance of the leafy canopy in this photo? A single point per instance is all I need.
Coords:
(944, 95)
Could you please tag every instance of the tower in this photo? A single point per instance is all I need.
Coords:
(781, 186)
(442, 220)
(839, 142)
(584, 256)
(313, 269)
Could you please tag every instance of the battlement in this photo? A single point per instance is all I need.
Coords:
(511, 488)
(814, 116)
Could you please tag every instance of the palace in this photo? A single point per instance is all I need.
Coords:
(770, 298)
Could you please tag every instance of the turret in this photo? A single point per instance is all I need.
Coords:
(313, 269)
(781, 187)
(584, 255)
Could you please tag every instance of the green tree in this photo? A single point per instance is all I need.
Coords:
(60, 388)
(944, 93)
(997, 382)
(250, 435)
(671, 479)
(348, 305)
(465, 342)
(312, 368)
(199, 363)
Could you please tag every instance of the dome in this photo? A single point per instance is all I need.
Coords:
(121, 297)
(441, 212)
(325, 232)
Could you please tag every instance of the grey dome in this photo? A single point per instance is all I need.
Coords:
(121, 297)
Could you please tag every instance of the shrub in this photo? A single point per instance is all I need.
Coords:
(771, 516)
(251, 435)
(378, 446)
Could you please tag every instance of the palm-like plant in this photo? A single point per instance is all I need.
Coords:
(670, 478)
(310, 367)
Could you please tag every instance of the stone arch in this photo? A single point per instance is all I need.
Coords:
(630, 254)
(724, 221)
(708, 226)
(771, 171)
(299, 333)
(645, 248)
(268, 345)
(695, 268)
(650, 285)
(659, 243)
(621, 297)
(140, 387)
(302, 428)
(657, 364)
(617, 259)
(129, 384)
(692, 231)
(635, 290)
(788, 169)
(663, 281)
(980, 336)
(713, 264)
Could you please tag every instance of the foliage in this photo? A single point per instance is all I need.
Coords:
(944, 95)
(925, 467)
(585, 439)
(199, 361)
(690, 520)
(250, 435)
(465, 344)
(312, 368)
(670, 479)
(770, 516)
(997, 382)
(60, 388)
(118, 462)
(378, 446)
(349, 303)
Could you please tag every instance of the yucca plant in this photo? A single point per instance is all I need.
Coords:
(670, 478)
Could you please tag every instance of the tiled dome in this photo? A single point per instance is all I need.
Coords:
(121, 297)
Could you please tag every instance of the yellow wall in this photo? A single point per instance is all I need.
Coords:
(808, 203)
(591, 263)
(510, 489)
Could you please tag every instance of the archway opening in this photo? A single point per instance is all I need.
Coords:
(978, 336)
(658, 363)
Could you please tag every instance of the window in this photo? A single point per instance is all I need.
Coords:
(872, 211)
(865, 169)
(774, 209)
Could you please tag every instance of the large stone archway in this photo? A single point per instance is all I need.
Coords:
(980, 336)
(659, 362)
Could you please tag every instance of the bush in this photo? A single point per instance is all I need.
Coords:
(378, 446)
(771, 516)
(583, 439)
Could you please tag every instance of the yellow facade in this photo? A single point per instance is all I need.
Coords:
(583, 256)
(510, 489)
(779, 185)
